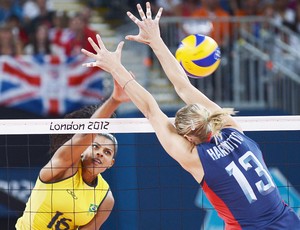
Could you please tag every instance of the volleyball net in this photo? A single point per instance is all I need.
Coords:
(151, 190)
(130, 125)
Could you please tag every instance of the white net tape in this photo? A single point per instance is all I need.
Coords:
(131, 125)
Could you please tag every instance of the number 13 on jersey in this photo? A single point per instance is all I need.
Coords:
(264, 188)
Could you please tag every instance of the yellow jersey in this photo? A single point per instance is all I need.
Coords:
(66, 204)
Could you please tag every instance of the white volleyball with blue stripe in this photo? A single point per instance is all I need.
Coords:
(199, 55)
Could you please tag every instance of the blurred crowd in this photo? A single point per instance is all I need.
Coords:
(33, 27)
(282, 12)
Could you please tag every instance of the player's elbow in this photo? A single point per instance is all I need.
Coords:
(182, 88)
(152, 111)
(150, 107)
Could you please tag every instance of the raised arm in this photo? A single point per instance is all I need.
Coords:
(149, 33)
(175, 145)
(69, 154)
(112, 103)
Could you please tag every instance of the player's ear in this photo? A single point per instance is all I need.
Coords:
(187, 137)
(112, 163)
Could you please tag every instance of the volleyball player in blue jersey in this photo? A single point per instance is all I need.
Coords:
(206, 141)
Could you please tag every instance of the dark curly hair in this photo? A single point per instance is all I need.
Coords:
(57, 140)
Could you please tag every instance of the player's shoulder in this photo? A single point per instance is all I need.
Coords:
(230, 129)
(102, 182)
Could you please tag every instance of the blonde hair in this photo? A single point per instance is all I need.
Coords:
(197, 120)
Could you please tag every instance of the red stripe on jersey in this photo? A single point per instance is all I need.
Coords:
(222, 209)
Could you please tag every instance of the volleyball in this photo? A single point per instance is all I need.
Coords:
(199, 55)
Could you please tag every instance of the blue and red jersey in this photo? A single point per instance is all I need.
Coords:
(239, 186)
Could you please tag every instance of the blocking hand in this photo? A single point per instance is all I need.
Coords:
(104, 59)
(148, 27)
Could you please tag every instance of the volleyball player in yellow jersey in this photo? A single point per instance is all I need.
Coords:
(70, 192)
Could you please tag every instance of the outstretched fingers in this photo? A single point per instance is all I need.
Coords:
(120, 47)
(91, 55)
(141, 12)
(136, 21)
(88, 53)
(100, 42)
(159, 13)
(133, 18)
(94, 45)
(148, 10)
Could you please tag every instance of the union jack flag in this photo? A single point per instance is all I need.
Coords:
(50, 86)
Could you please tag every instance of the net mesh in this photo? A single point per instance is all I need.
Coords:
(151, 190)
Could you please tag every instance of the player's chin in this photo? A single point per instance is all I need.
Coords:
(99, 168)
(96, 170)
